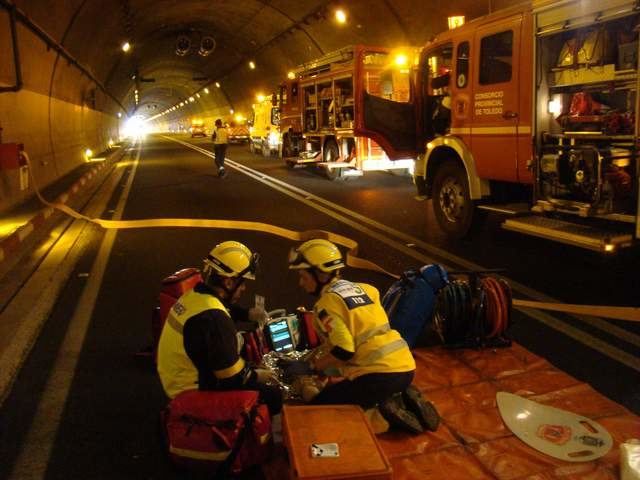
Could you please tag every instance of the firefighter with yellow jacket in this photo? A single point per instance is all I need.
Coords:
(198, 347)
(358, 342)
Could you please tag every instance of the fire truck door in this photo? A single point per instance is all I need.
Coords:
(495, 101)
(390, 124)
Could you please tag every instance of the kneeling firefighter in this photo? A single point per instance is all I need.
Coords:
(198, 347)
(358, 342)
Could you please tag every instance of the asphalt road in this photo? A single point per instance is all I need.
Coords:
(105, 427)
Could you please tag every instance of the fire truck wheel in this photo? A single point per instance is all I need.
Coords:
(453, 208)
(331, 154)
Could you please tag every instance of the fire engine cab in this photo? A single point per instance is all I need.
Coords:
(321, 117)
(533, 106)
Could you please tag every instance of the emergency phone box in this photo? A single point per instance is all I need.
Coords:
(346, 430)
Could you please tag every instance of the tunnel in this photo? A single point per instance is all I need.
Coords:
(69, 85)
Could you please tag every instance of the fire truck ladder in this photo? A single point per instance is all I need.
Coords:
(323, 63)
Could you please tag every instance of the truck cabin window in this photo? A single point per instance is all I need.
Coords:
(387, 75)
(496, 58)
(438, 70)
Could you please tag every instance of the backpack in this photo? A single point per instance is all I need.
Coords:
(173, 287)
(217, 432)
(410, 301)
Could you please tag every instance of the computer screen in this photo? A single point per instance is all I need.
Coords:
(280, 336)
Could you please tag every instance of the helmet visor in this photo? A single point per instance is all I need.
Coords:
(250, 272)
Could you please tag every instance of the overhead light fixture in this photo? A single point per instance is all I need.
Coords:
(191, 99)
(207, 45)
(291, 75)
(341, 16)
(231, 111)
(455, 21)
(206, 90)
(260, 97)
(252, 65)
(197, 95)
(126, 46)
(218, 84)
(183, 45)
(119, 115)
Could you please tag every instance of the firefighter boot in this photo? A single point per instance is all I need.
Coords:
(421, 408)
(396, 413)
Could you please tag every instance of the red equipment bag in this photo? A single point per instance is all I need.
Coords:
(172, 289)
(221, 432)
(308, 336)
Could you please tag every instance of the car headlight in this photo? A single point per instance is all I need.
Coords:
(274, 139)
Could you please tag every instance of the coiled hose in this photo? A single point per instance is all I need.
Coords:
(474, 313)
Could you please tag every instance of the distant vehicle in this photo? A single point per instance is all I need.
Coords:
(265, 131)
(198, 130)
(321, 114)
(238, 132)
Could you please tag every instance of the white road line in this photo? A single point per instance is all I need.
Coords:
(36, 449)
(314, 201)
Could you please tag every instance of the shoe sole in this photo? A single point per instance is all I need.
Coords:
(391, 414)
(423, 409)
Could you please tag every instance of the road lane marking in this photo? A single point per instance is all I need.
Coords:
(330, 208)
(36, 449)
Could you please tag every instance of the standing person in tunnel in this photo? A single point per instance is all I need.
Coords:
(220, 141)
(358, 342)
(198, 347)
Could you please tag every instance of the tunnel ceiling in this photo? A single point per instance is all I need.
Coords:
(277, 35)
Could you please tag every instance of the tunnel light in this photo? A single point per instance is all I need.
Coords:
(88, 154)
(119, 115)
(291, 75)
(218, 84)
(191, 99)
(239, 118)
(206, 90)
(111, 143)
(197, 95)
(231, 111)
(401, 60)
(260, 97)
(455, 21)
(126, 46)
(341, 16)
(609, 247)
(554, 107)
(252, 65)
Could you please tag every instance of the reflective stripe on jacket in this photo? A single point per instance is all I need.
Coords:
(177, 371)
(349, 315)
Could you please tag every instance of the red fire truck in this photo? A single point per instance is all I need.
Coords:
(534, 105)
(320, 116)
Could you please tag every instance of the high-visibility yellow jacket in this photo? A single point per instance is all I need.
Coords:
(177, 371)
(349, 316)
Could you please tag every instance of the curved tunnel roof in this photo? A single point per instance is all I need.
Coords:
(179, 48)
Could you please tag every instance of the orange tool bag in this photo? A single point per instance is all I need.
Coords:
(217, 432)
(332, 442)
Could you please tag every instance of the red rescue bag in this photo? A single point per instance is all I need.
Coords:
(172, 289)
(221, 432)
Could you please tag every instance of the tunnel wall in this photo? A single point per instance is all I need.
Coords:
(57, 113)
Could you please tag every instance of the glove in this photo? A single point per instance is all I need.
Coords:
(258, 315)
(263, 375)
